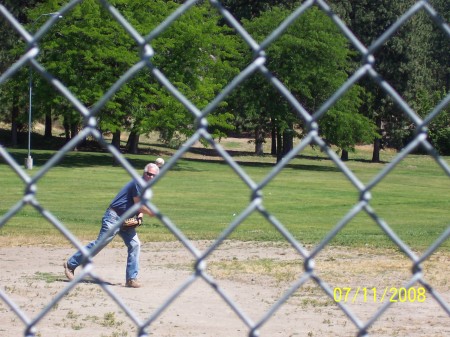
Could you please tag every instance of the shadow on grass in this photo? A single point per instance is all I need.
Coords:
(92, 154)
(78, 159)
(243, 163)
(234, 153)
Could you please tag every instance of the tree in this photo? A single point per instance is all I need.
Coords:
(13, 95)
(92, 50)
(429, 81)
(249, 9)
(312, 59)
(412, 61)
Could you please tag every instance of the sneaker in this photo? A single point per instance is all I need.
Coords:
(70, 273)
(132, 283)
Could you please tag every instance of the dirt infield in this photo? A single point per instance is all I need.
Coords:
(252, 275)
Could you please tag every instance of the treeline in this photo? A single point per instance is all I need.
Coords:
(201, 52)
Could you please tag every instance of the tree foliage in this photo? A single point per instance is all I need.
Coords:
(312, 59)
(88, 51)
(412, 61)
(97, 51)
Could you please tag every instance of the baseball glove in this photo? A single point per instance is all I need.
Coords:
(132, 222)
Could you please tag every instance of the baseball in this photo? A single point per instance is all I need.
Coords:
(159, 162)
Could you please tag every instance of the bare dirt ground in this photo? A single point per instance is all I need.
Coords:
(253, 276)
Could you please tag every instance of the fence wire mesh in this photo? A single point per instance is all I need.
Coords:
(256, 203)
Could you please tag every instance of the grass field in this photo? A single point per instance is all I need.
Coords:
(202, 195)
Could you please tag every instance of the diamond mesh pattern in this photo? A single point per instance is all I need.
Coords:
(256, 203)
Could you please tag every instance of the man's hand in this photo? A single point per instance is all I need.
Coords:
(132, 222)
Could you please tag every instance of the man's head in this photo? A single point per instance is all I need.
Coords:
(151, 170)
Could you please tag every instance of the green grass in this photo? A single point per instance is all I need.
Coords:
(202, 197)
(47, 277)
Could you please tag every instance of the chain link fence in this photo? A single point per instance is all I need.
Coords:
(256, 203)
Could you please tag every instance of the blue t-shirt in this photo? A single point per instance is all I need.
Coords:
(124, 199)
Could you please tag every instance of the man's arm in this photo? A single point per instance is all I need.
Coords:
(144, 209)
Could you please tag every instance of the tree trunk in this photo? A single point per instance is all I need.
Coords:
(73, 130)
(116, 140)
(132, 143)
(116, 143)
(376, 151)
(74, 133)
(279, 146)
(66, 125)
(273, 150)
(48, 125)
(259, 141)
(14, 124)
(288, 141)
(377, 143)
(344, 155)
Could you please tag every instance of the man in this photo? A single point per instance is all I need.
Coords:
(124, 200)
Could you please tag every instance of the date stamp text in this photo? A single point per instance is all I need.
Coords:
(377, 295)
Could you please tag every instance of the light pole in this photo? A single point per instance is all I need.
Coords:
(29, 159)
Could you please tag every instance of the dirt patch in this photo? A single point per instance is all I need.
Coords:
(241, 284)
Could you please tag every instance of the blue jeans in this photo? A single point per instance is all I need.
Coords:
(129, 237)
